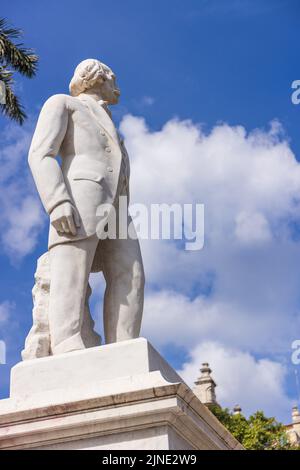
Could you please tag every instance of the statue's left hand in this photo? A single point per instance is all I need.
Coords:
(65, 218)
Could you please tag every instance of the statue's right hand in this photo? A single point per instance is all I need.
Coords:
(65, 218)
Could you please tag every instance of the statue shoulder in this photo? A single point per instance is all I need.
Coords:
(60, 101)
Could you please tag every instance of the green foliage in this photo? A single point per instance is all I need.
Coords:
(255, 433)
(20, 59)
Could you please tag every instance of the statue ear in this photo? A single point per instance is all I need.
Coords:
(76, 86)
(72, 87)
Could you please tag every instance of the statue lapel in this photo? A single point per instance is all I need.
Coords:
(101, 116)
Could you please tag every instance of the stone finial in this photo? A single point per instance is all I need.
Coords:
(237, 410)
(294, 429)
(205, 386)
(295, 414)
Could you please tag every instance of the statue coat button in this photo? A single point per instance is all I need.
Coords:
(109, 168)
(108, 149)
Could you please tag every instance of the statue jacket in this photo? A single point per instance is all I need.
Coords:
(81, 132)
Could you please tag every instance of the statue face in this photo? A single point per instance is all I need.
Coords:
(109, 89)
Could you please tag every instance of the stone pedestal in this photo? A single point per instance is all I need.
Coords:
(118, 396)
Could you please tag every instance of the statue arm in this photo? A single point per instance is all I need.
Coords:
(48, 136)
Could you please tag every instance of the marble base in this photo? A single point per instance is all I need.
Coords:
(118, 396)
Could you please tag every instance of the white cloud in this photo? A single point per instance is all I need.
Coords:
(250, 186)
(236, 298)
(15, 144)
(139, 104)
(228, 169)
(24, 222)
(5, 310)
(242, 290)
(233, 8)
(241, 379)
(148, 100)
(252, 228)
(171, 317)
(22, 216)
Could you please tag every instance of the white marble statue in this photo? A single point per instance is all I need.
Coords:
(94, 170)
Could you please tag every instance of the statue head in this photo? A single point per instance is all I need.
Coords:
(93, 75)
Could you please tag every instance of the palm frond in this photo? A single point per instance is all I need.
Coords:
(12, 108)
(9, 31)
(20, 58)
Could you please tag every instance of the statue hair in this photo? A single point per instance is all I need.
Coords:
(86, 74)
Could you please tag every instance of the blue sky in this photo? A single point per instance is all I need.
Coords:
(218, 64)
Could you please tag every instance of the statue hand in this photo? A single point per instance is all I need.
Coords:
(65, 218)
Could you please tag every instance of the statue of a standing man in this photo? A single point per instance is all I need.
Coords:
(94, 170)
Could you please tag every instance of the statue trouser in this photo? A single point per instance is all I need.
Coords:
(70, 266)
